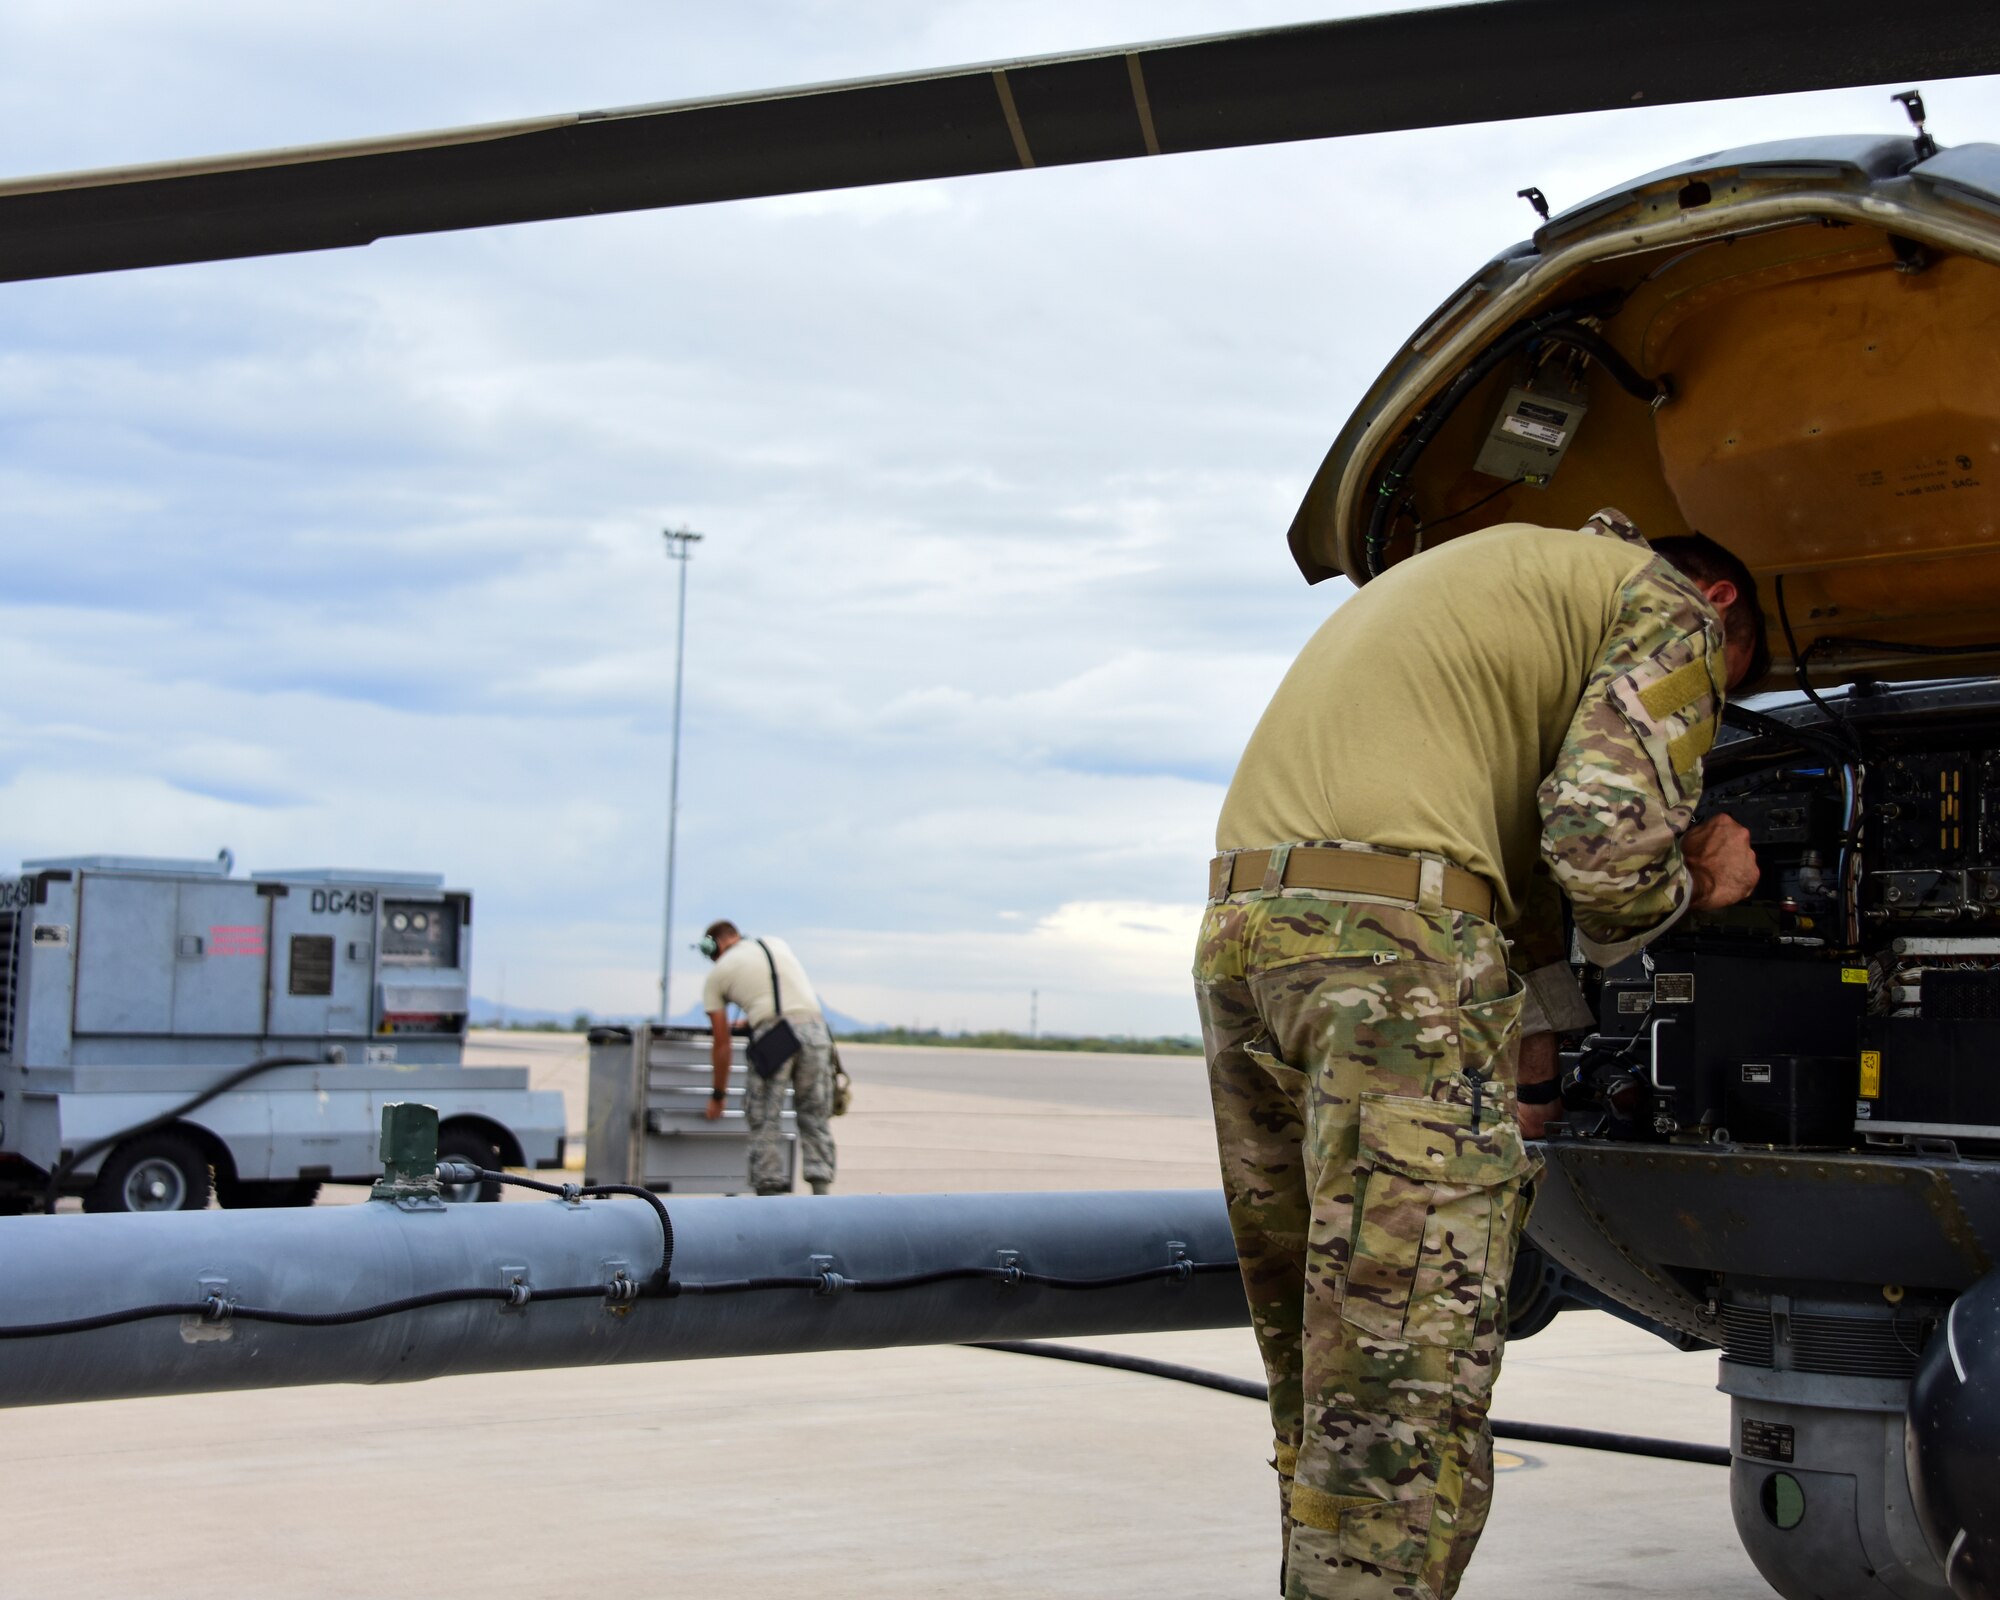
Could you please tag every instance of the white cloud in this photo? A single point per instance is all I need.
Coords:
(1092, 965)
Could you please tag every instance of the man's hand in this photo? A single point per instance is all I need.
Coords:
(720, 1058)
(1537, 1065)
(1720, 861)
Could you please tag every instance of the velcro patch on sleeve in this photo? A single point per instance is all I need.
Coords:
(1678, 690)
(1671, 701)
(1685, 749)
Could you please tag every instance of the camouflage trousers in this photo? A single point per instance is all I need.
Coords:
(809, 1076)
(1361, 1061)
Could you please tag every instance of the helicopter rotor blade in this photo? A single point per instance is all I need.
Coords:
(1492, 61)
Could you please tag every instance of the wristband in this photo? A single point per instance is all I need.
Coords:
(717, 1094)
(1547, 1092)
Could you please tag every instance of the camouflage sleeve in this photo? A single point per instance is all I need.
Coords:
(1538, 935)
(1625, 782)
(1538, 949)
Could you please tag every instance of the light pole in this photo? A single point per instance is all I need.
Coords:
(680, 548)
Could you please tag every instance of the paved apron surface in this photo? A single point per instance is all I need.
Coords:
(874, 1475)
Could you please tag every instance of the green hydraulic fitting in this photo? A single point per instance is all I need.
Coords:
(409, 1153)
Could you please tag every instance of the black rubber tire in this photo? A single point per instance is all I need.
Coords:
(263, 1195)
(164, 1153)
(467, 1144)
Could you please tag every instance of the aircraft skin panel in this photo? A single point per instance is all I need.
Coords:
(1819, 314)
(1646, 1222)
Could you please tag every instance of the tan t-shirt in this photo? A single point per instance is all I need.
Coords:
(741, 978)
(1425, 712)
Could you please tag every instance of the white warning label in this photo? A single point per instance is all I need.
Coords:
(1545, 425)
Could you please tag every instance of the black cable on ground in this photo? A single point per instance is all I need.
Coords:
(139, 1130)
(1630, 1444)
(1248, 1388)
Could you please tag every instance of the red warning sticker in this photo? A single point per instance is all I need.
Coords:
(226, 940)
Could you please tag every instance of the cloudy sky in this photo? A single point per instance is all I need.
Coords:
(354, 559)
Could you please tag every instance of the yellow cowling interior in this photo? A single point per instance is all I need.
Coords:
(1836, 420)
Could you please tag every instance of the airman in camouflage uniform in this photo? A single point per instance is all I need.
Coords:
(1362, 1048)
(764, 980)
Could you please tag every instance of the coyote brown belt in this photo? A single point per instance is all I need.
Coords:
(1350, 872)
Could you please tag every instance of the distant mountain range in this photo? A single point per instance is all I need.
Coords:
(488, 1014)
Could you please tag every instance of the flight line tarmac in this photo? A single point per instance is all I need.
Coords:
(866, 1475)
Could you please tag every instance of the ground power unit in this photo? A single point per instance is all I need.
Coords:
(133, 989)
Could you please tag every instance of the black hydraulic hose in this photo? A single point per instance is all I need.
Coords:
(1759, 722)
(811, 1281)
(1630, 1444)
(465, 1172)
(217, 1309)
(1560, 326)
(1434, 416)
(517, 1295)
(1466, 510)
(619, 1291)
(1654, 391)
(105, 1319)
(1847, 871)
(1800, 661)
(606, 1190)
(1827, 643)
(139, 1130)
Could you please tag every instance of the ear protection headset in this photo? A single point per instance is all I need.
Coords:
(707, 946)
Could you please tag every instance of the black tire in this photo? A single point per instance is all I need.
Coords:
(468, 1144)
(161, 1172)
(260, 1195)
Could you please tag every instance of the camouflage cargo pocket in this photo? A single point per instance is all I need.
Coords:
(1412, 1536)
(1672, 701)
(1289, 1079)
(1489, 1032)
(1392, 1534)
(1437, 1195)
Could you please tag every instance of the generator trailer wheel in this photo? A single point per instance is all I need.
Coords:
(161, 1172)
